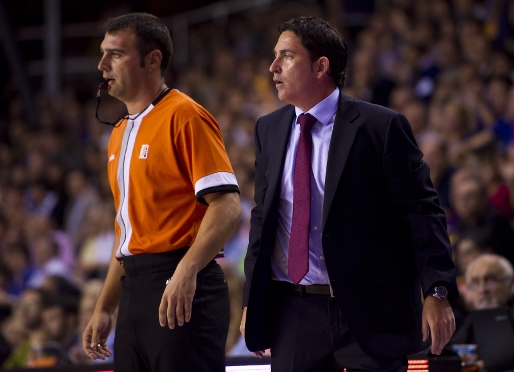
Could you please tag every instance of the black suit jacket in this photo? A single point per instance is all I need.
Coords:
(384, 234)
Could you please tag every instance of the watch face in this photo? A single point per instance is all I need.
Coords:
(441, 292)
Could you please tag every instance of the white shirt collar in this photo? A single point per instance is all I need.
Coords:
(324, 110)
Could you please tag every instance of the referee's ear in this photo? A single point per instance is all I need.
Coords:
(153, 60)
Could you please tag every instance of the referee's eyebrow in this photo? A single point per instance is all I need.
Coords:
(111, 50)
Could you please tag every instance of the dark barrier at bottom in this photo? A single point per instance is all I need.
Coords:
(417, 363)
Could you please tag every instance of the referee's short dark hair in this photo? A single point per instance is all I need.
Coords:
(151, 34)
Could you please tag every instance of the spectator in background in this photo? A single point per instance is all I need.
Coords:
(509, 115)
(12, 335)
(497, 189)
(39, 226)
(416, 113)
(60, 320)
(40, 199)
(97, 241)
(54, 177)
(14, 211)
(489, 284)
(30, 308)
(506, 166)
(4, 226)
(5, 298)
(435, 153)
(467, 249)
(17, 259)
(47, 262)
(45, 348)
(81, 195)
(401, 96)
(60, 285)
(497, 98)
(474, 213)
(457, 128)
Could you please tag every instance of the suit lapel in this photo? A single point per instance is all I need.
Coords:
(340, 144)
(278, 142)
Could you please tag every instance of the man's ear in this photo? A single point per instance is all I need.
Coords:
(153, 60)
(322, 66)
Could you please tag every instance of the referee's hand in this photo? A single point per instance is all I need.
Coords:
(94, 337)
(177, 299)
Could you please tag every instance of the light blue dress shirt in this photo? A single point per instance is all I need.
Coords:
(325, 113)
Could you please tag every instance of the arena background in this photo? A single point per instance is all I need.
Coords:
(447, 65)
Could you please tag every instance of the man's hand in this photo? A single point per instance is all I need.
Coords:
(242, 330)
(94, 338)
(177, 299)
(437, 321)
(218, 223)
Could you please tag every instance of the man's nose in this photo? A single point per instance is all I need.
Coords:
(274, 67)
(483, 287)
(102, 65)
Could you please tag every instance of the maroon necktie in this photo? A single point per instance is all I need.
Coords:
(298, 256)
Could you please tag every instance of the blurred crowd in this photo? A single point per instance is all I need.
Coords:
(447, 65)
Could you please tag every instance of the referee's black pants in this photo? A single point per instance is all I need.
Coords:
(142, 345)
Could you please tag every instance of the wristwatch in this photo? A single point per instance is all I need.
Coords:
(440, 292)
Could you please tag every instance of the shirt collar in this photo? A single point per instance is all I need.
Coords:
(324, 110)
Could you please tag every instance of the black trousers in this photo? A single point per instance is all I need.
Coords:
(310, 334)
(142, 345)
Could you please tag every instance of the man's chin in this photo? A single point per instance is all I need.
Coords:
(486, 304)
(283, 97)
(113, 92)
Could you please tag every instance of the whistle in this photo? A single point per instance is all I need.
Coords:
(102, 86)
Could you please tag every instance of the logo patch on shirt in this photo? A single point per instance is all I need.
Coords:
(111, 158)
(143, 154)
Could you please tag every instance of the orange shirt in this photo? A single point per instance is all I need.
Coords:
(161, 163)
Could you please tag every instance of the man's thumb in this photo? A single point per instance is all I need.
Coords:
(424, 329)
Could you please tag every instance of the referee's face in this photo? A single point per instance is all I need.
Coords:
(121, 65)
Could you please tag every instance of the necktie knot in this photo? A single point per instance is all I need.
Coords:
(306, 122)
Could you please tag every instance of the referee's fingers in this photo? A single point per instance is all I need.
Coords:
(163, 309)
(188, 308)
(170, 313)
(94, 338)
(179, 313)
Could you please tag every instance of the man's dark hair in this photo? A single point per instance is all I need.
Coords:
(151, 34)
(321, 39)
(69, 305)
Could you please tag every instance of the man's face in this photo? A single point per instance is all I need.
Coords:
(434, 156)
(53, 322)
(121, 64)
(467, 252)
(30, 309)
(467, 199)
(86, 310)
(488, 285)
(292, 70)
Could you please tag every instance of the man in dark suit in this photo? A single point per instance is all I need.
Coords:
(347, 238)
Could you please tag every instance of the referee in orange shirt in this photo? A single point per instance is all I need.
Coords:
(177, 203)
